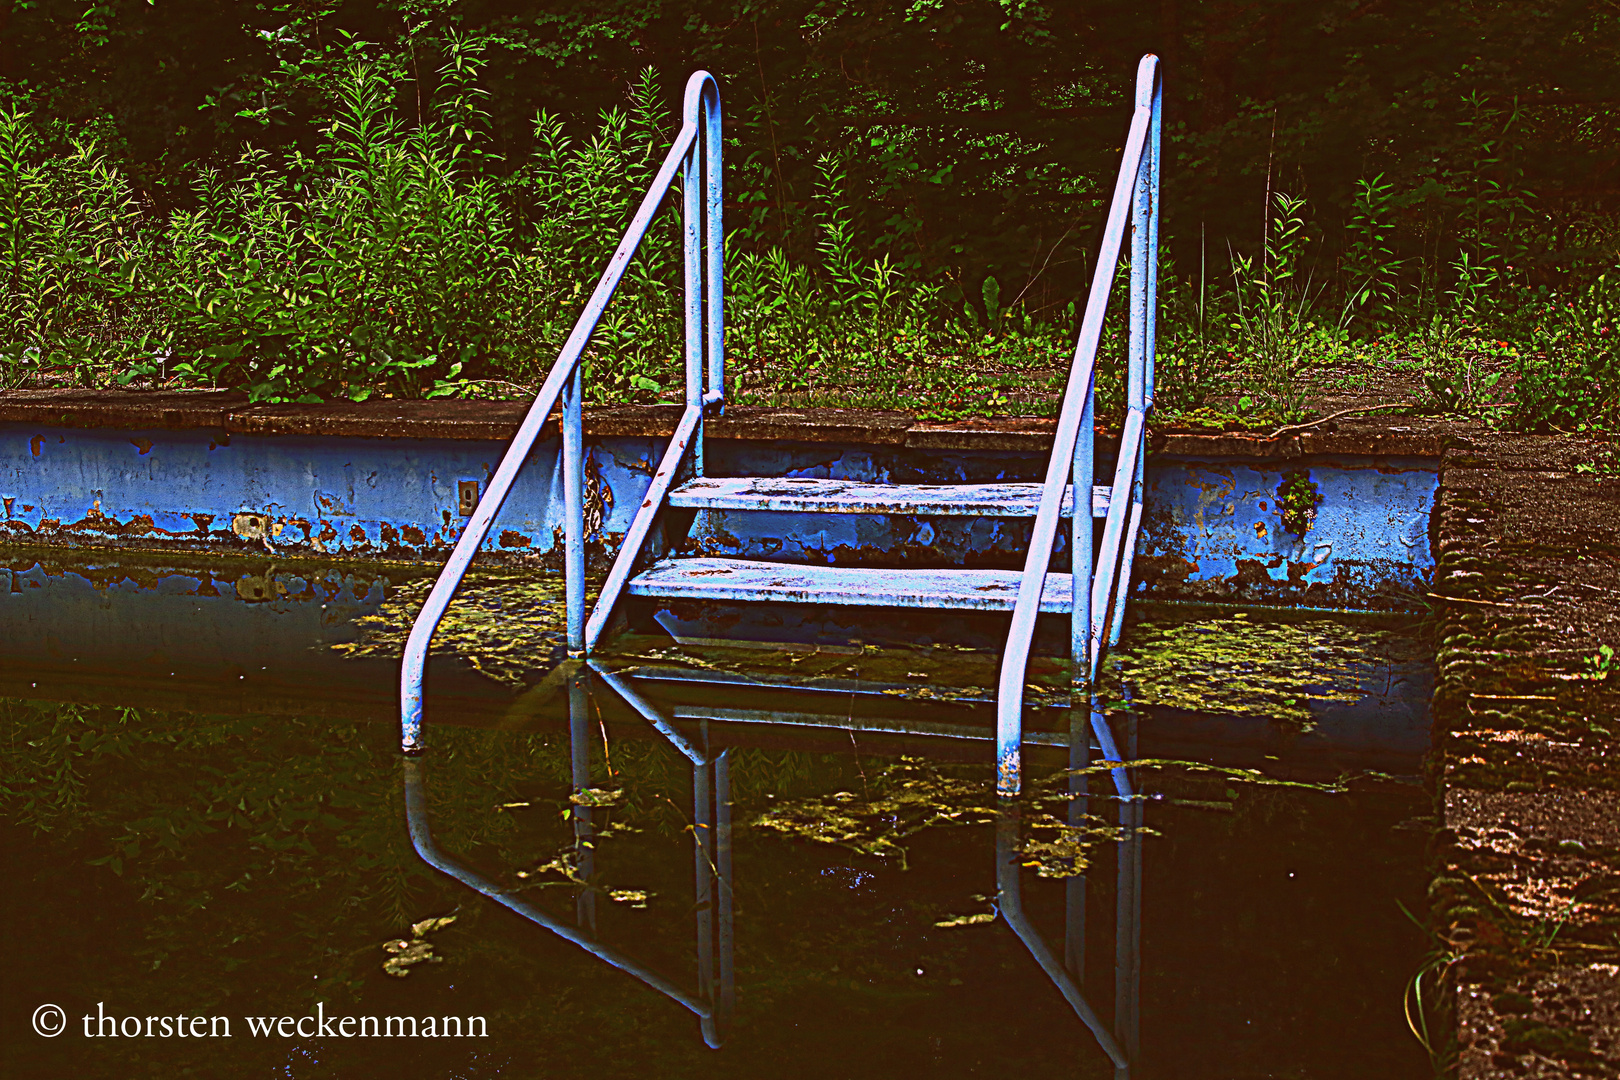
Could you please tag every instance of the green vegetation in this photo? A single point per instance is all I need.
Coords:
(330, 203)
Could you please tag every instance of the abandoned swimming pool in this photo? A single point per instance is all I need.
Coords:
(208, 816)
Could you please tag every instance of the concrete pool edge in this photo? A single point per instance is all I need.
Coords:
(1527, 795)
(388, 481)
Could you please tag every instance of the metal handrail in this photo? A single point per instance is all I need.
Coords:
(705, 341)
(1072, 454)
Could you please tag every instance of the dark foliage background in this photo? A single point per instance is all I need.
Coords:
(980, 131)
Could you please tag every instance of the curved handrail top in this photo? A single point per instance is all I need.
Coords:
(700, 86)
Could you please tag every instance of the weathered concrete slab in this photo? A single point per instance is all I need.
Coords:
(344, 482)
(1527, 748)
(1213, 530)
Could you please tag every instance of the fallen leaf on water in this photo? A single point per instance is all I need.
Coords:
(966, 920)
(427, 926)
(596, 797)
(408, 952)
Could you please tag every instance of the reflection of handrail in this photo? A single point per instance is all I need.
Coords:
(1066, 974)
(1071, 448)
(1122, 1044)
(1009, 899)
(711, 853)
(704, 328)
(422, 839)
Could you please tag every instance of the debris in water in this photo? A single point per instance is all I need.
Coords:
(507, 625)
(596, 797)
(408, 952)
(904, 799)
(966, 920)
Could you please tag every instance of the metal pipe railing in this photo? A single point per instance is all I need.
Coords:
(711, 853)
(1010, 904)
(703, 233)
(1144, 319)
(1071, 452)
(705, 329)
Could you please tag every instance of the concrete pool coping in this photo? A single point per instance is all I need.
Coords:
(232, 413)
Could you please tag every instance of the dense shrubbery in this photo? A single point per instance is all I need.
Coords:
(912, 228)
(389, 260)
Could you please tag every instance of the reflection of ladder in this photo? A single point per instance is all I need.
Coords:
(644, 567)
(715, 999)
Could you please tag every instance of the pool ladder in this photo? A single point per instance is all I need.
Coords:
(645, 565)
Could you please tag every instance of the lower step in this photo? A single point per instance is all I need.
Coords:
(743, 579)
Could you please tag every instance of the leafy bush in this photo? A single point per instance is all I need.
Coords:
(1571, 381)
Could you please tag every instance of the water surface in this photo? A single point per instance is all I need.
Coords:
(203, 849)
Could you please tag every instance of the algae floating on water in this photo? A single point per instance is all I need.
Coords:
(1273, 668)
(904, 799)
(505, 624)
(416, 949)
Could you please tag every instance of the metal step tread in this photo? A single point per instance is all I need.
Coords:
(748, 579)
(809, 495)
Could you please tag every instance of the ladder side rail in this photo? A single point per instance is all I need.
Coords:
(648, 713)
(1081, 543)
(1145, 253)
(624, 562)
(703, 246)
(500, 485)
(573, 477)
(1108, 559)
(1010, 692)
(1153, 151)
(714, 241)
(1133, 528)
(716, 975)
(692, 264)
(703, 894)
(1010, 905)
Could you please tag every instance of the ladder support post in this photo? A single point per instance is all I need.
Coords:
(573, 455)
(1081, 544)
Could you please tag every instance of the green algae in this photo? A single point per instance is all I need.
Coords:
(506, 624)
(912, 796)
(903, 800)
(1231, 662)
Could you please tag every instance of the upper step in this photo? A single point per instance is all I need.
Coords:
(854, 497)
(746, 579)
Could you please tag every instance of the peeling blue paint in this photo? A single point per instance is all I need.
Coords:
(1212, 528)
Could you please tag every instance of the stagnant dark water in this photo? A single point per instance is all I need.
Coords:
(165, 858)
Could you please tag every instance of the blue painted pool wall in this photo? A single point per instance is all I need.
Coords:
(1212, 528)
